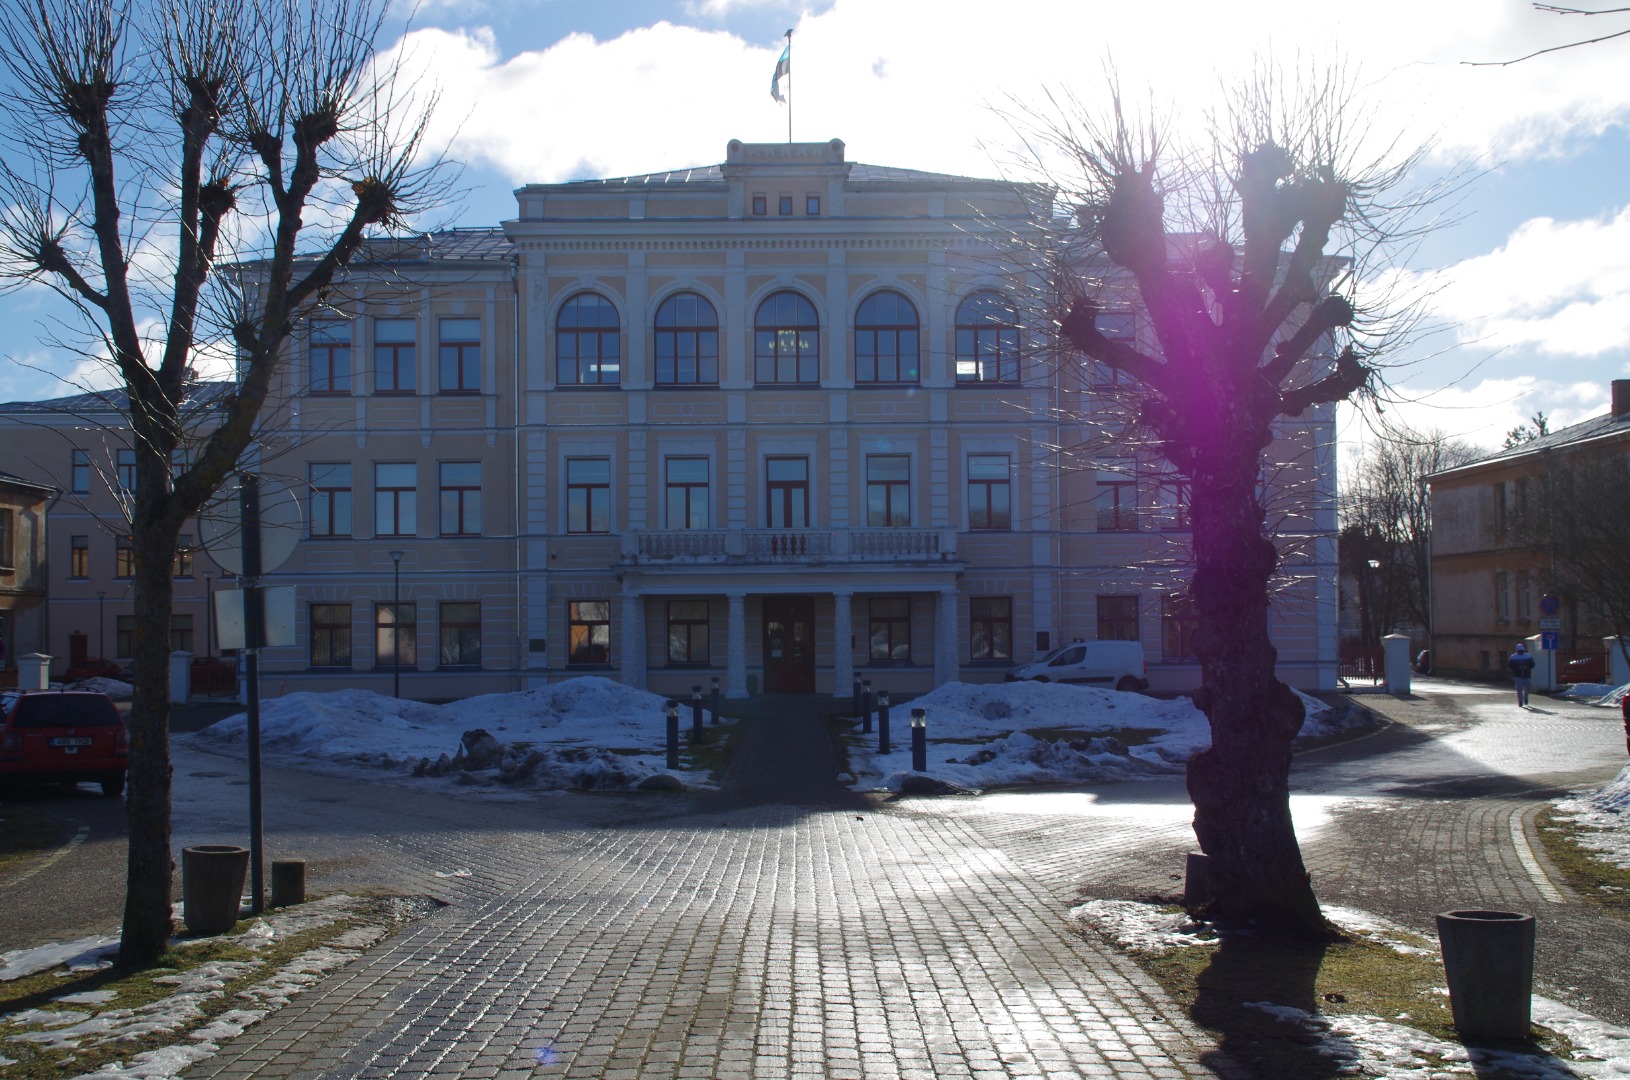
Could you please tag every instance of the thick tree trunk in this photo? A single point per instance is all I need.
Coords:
(149, 866)
(1240, 786)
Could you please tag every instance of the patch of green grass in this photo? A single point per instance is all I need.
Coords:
(134, 989)
(1335, 977)
(25, 834)
(1586, 872)
(714, 753)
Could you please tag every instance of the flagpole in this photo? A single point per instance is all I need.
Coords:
(789, 87)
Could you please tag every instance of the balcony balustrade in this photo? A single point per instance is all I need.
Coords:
(790, 546)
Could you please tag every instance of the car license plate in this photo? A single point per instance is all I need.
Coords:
(76, 740)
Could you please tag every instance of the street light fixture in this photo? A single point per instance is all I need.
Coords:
(396, 623)
(101, 628)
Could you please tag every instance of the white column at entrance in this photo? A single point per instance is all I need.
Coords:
(843, 653)
(735, 682)
(633, 640)
(945, 638)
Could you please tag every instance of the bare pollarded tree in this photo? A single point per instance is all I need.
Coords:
(150, 146)
(1248, 250)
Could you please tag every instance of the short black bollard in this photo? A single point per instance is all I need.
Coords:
(856, 708)
(866, 706)
(919, 740)
(882, 721)
(673, 733)
(697, 733)
(717, 702)
(288, 882)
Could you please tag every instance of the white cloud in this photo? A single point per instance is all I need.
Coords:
(1560, 288)
(1481, 412)
(904, 89)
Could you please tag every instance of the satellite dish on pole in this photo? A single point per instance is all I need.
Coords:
(220, 526)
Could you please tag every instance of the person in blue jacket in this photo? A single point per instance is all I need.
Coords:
(1522, 672)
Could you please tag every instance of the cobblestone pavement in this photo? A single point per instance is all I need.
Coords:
(815, 936)
(749, 939)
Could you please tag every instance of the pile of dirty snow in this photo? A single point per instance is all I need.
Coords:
(1605, 817)
(587, 732)
(1001, 734)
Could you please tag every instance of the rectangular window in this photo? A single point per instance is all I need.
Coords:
(8, 543)
(79, 557)
(1179, 621)
(330, 357)
(1171, 509)
(460, 356)
(990, 628)
(396, 634)
(461, 498)
(124, 635)
(888, 490)
(687, 484)
(785, 206)
(1525, 605)
(588, 495)
(330, 635)
(460, 634)
(687, 632)
(330, 484)
(588, 632)
(125, 471)
(182, 567)
(396, 356)
(812, 205)
(889, 619)
(1499, 507)
(1117, 506)
(1502, 595)
(80, 472)
(761, 205)
(786, 494)
(180, 633)
(396, 499)
(989, 492)
(1118, 618)
(124, 559)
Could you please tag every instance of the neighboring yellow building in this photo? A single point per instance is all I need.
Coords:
(22, 571)
(778, 421)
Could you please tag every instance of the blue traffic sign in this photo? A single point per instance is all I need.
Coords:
(1550, 604)
(1547, 640)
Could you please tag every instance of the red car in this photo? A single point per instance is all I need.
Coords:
(63, 736)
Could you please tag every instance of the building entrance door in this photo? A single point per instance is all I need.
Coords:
(789, 645)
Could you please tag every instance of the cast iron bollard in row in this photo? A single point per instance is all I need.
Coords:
(696, 732)
(716, 701)
(856, 707)
(882, 721)
(866, 706)
(673, 733)
(919, 740)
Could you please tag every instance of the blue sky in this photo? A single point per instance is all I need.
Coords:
(1531, 289)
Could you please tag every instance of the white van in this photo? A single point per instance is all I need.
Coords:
(1119, 664)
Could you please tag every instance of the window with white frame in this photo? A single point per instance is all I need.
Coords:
(786, 340)
(685, 339)
(588, 342)
(886, 336)
(1502, 596)
(987, 339)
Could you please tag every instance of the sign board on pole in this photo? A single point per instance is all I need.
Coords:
(278, 607)
(1548, 640)
(1552, 623)
(1550, 604)
(219, 525)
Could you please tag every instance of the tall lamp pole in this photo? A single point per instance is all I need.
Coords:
(396, 624)
(101, 628)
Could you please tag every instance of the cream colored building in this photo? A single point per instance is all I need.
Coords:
(780, 421)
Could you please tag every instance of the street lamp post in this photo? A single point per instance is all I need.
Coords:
(209, 617)
(396, 624)
(101, 628)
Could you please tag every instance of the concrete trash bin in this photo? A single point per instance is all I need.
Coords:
(212, 886)
(1488, 959)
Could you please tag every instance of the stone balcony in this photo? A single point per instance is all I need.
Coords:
(745, 547)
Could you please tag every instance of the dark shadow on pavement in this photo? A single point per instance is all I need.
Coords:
(785, 754)
(1246, 971)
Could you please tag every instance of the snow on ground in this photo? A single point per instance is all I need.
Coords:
(179, 1015)
(1369, 1045)
(1594, 693)
(587, 732)
(113, 688)
(980, 736)
(1605, 817)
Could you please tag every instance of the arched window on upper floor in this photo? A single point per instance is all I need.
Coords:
(886, 339)
(786, 340)
(685, 336)
(987, 339)
(588, 342)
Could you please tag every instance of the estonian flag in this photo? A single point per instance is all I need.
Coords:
(783, 68)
